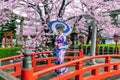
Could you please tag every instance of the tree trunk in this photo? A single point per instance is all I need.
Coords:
(89, 35)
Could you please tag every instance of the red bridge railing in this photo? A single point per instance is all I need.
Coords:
(48, 62)
(80, 69)
(16, 67)
(78, 72)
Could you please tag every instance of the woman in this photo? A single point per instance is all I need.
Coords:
(60, 45)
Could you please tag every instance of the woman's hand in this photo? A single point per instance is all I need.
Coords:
(69, 42)
(56, 44)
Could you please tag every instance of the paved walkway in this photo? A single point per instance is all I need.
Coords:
(6, 76)
(100, 60)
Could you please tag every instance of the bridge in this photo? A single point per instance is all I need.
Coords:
(43, 68)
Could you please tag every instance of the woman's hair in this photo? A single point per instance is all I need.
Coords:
(60, 27)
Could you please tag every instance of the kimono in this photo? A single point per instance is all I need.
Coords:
(61, 43)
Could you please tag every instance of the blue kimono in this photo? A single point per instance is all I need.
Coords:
(61, 47)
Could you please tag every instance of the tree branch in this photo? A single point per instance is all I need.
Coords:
(50, 9)
(68, 3)
(40, 13)
(47, 11)
(73, 17)
(61, 9)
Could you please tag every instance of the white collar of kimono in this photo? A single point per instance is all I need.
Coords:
(61, 35)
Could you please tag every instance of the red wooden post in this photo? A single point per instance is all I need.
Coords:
(33, 61)
(97, 41)
(80, 54)
(115, 67)
(5, 40)
(17, 68)
(79, 67)
(27, 74)
(116, 43)
(11, 38)
(6, 34)
(95, 72)
(107, 61)
(27, 70)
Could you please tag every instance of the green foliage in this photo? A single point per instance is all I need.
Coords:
(103, 45)
(10, 25)
(7, 52)
(1, 35)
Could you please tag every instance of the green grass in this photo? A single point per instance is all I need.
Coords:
(7, 52)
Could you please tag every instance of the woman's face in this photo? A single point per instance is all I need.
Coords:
(59, 32)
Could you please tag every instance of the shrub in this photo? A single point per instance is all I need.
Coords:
(7, 52)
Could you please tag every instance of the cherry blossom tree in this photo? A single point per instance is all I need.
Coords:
(98, 10)
(77, 13)
(38, 13)
(7, 18)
